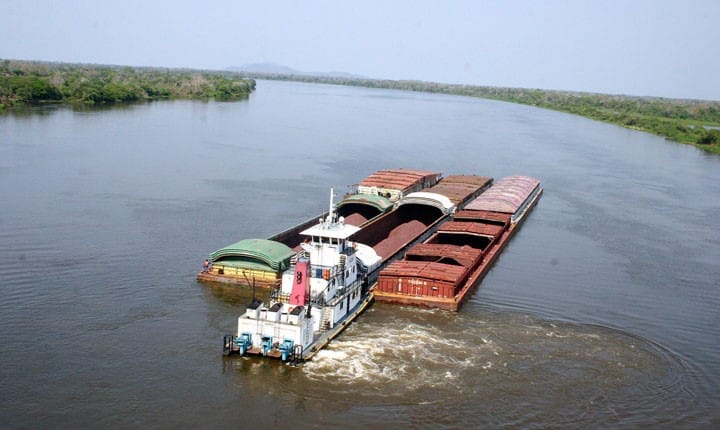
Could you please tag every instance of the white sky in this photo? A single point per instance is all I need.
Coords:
(639, 47)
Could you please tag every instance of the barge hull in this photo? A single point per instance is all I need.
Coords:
(222, 278)
(488, 259)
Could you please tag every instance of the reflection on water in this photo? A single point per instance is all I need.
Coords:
(599, 313)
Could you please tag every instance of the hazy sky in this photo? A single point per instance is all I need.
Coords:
(658, 48)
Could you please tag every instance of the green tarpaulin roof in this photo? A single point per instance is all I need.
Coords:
(381, 203)
(274, 254)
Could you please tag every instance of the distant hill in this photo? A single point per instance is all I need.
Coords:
(265, 68)
(279, 69)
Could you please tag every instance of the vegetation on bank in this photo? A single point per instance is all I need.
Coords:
(24, 83)
(695, 122)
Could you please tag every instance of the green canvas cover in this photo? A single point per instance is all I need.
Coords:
(381, 203)
(273, 254)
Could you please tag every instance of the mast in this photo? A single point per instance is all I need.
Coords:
(331, 211)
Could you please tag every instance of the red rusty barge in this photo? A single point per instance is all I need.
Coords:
(441, 271)
(375, 195)
(417, 216)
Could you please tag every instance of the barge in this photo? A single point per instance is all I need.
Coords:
(441, 271)
(261, 262)
(418, 215)
(326, 285)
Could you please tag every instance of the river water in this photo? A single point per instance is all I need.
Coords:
(601, 312)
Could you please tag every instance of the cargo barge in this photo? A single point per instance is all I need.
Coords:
(418, 215)
(327, 283)
(261, 262)
(441, 271)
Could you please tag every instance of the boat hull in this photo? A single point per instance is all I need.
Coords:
(300, 355)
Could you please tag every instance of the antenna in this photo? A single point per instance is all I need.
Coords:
(331, 211)
(253, 284)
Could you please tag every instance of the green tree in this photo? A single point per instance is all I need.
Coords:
(709, 137)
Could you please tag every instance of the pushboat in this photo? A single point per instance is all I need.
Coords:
(324, 290)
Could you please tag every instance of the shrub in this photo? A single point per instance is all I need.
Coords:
(710, 137)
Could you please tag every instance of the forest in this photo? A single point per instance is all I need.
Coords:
(24, 83)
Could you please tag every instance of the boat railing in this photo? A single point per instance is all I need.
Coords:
(294, 258)
(318, 271)
(351, 190)
(343, 290)
(315, 300)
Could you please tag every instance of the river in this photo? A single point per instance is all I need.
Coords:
(603, 310)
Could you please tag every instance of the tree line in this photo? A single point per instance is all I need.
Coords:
(25, 83)
(22, 83)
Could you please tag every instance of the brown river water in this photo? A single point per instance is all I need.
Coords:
(603, 310)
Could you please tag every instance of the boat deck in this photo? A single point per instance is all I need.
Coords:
(321, 342)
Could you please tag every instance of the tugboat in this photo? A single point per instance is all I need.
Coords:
(324, 289)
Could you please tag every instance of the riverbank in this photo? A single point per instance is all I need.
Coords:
(26, 83)
(693, 122)
(23, 83)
